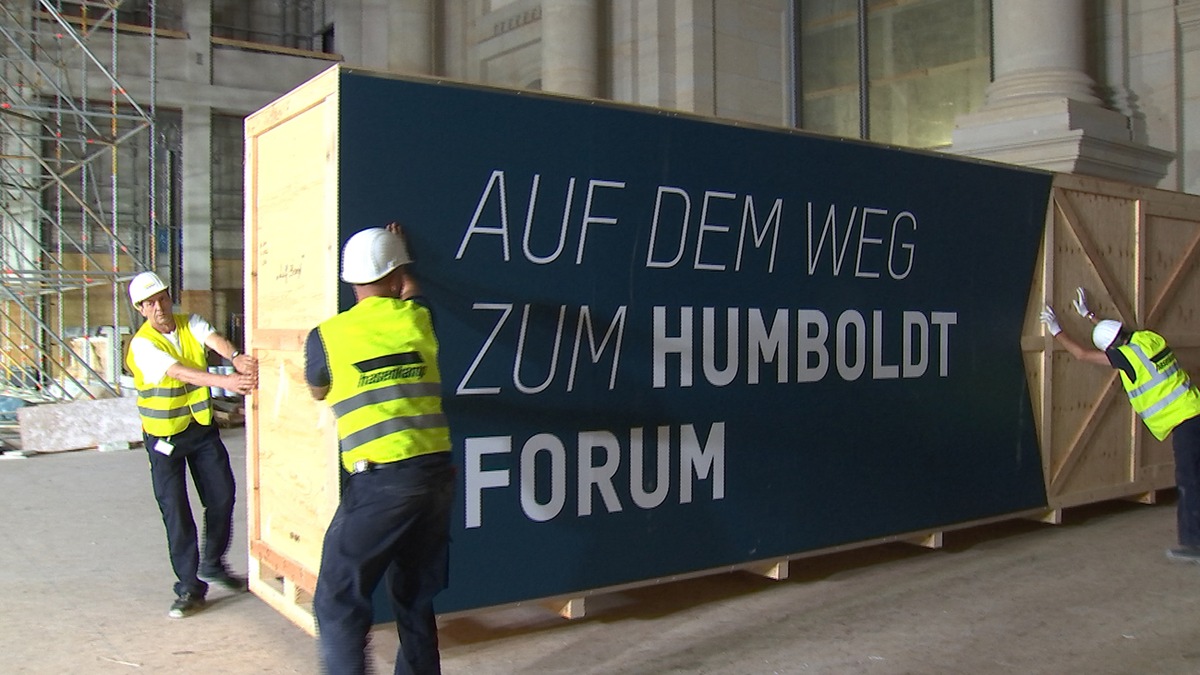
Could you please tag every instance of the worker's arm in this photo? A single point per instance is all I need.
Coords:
(156, 364)
(1075, 348)
(410, 289)
(1085, 354)
(316, 366)
(243, 363)
(242, 383)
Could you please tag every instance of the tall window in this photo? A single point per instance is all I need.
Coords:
(926, 62)
(299, 24)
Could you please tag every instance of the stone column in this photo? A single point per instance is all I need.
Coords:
(570, 47)
(393, 35)
(1042, 110)
(196, 201)
(1039, 53)
(1188, 14)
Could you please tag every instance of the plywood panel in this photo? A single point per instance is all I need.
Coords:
(297, 488)
(296, 253)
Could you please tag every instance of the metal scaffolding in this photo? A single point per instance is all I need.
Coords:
(78, 182)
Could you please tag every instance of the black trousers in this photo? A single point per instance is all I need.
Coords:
(1185, 441)
(198, 449)
(393, 523)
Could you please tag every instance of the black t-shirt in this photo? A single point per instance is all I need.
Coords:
(1118, 361)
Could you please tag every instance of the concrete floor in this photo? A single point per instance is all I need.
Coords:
(85, 586)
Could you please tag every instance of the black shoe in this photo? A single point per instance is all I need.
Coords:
(1184, 554)
(223, 576)
(186, 605)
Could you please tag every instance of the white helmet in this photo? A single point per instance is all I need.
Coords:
(371, 254)
(1105, 333)
(145, 285)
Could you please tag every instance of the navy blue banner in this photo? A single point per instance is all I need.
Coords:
(670, 344)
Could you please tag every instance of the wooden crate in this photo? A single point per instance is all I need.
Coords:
(1132, 248)
(1135, 251)
(291, 285)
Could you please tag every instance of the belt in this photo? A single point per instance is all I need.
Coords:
(366, 466)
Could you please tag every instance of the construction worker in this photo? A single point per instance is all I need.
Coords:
(168, 359)
(1161, 393)
(376, 364)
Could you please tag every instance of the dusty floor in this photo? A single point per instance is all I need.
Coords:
(85, 586)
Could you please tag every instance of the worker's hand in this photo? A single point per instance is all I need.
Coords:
(1051, 321)
(244, 363)
(1080, 303)
(395, 229)
(242, 383)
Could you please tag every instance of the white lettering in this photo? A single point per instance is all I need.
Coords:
(596, 471)
(683, 227)
(496, 179)
(551, 446)
(588, 218)
(478, 479)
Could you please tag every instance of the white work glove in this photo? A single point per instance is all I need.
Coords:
(1080, 303)
(1051, 321)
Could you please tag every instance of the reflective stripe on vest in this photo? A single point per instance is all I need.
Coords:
(168, 407)
(1161, 392)
(385, 389)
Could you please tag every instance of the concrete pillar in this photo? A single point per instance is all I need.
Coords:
(1042, 110)
(571, 47)
(1039, 52)
(1188, 14)
(393, 35)
(196, 200)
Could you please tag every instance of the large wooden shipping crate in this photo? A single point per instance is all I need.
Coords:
(291, 285)
(556, 499)
(1135, 251)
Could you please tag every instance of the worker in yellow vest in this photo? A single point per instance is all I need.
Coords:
(169, 361)
(1161, 393)
(376, 364)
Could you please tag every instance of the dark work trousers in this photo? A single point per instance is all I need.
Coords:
(393, 523)
(1185, 440)
(197, 449)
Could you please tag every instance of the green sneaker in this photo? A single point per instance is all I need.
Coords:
(1184, 554)
(226, 578)
(186, 605)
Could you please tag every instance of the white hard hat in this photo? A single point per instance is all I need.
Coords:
(1105, 333)
(371, 254)
(145, 285)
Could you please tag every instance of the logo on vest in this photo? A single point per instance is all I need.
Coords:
(405, 366)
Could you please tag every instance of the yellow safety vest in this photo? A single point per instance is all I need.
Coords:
(385, 384)
(167, 408)
(1161, 393)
